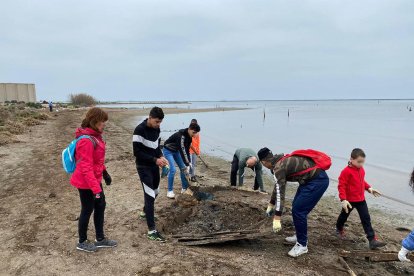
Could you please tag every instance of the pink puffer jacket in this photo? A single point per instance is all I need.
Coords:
(90, 161)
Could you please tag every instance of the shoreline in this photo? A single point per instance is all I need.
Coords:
(38, 229)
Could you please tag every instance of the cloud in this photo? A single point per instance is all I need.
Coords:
(199, 50)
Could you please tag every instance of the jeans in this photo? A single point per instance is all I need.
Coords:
(408, 242)
(174, 157)
(362, 209)
(306, 198)
(91, 205)
(193, 163)
(150, 180)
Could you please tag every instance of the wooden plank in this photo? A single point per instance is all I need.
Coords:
(372, 256)
(219, 239)
(216, 233)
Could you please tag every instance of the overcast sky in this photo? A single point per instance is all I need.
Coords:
(209, 50)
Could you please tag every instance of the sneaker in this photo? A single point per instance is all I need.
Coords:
(155, 236)
(183, 190)
(87, 247)
(170, 194)
(193, 179)
(291, 239)
(106, 243)
(402, 255)
(298, 250)
(341, 234)
(375, 243)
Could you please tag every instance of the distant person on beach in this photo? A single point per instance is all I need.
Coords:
(177, 151)
(352, 187)
(87, 177)
(313, 182)
(149, 159)
(194, 152)
(245, 157)
(408, 243)
(51, 106)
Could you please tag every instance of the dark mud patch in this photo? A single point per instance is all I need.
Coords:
(191, 215)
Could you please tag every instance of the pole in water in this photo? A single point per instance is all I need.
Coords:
(288, 113)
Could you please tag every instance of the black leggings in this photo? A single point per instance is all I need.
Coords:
(363, 212)
(150, 180)
(88, 205)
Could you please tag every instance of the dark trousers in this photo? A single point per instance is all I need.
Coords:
(88, 205)
(363, 212)
(234, 170)
(306, 198)
(150, 180)
(233, 173)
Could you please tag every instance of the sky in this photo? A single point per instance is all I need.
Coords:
(209, 50)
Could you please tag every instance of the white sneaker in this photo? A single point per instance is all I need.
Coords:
(402, 255)
(298, 250)
(170, 194)
(291, 239)
(183, 190)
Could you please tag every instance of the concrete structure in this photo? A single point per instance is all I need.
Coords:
(21, 92)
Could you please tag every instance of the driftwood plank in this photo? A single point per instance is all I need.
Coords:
(217, 239)
(372, 256)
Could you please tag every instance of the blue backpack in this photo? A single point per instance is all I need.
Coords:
(68, 154)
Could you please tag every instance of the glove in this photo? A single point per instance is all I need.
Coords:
(346, 205)
(374, 192)
(186, 172)
(270, 211)
(107, 178)
(277, 226)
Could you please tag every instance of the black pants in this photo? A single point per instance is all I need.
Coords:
(150, 180)
(88, 205)
(233, 173)
(363, 212)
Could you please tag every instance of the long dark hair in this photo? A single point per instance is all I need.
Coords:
(412, 180)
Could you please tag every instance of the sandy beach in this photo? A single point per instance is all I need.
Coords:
(39, 210)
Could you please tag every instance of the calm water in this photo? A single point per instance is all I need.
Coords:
(384, 129)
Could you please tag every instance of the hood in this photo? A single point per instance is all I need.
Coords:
(86, 131)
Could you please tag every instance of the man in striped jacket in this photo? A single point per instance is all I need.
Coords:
(312, 185)
(149, 158)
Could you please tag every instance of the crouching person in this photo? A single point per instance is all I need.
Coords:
(246, 158)
(87, 177)
(308, 168)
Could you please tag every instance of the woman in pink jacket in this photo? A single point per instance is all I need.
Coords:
(87, 177)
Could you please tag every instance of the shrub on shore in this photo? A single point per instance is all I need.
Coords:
(82, 99)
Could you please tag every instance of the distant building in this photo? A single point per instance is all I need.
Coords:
(20, 92)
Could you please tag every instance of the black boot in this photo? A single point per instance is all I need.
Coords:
(375, 244)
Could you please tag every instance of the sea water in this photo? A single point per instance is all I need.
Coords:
(384, 129)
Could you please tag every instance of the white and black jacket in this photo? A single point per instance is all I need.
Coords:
(146, 144)
(180, 141)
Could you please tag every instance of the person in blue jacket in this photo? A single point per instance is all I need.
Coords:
(408, 242)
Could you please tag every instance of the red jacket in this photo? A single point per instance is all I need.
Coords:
(352, 184)
(90, 161)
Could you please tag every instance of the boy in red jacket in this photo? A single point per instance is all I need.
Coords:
(352, 187)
